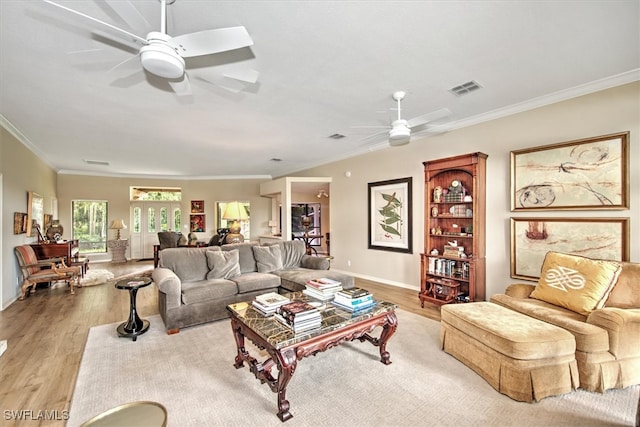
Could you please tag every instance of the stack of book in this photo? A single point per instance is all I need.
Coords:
(268, 303)
(299, 316)
(453, 251)
(322, 289)
(354, 299)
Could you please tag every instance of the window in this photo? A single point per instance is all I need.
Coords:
(89, 218)
(245, 225)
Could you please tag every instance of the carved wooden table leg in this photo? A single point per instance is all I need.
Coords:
(388, 328)
(287, 362)
(239, 337)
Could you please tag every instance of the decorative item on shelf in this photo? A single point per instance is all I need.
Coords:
(437, 194)
(467, 198)
(55, 230)
(117, 224)
(434, 211)
(235, 212)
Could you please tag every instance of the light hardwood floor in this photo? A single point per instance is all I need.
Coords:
(46, 334)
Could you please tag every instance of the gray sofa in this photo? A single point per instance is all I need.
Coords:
(195, 285)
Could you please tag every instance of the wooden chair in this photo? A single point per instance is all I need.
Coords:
(36, 271)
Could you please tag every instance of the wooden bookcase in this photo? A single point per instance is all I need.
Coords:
(452, 266)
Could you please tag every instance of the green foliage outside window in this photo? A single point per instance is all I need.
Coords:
(90, 227)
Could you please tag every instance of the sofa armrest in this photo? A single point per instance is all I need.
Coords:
(314, 262)
(519, 290)
(169, 284)
(623, 327)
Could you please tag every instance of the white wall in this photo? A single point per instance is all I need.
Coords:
(610, 111)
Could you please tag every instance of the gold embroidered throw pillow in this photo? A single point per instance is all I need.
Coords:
(577, 283)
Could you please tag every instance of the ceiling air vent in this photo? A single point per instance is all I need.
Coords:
(465, 88)
(336, 136)
(96, 162)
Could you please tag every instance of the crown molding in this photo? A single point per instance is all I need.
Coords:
(6, 123)
(173, 177)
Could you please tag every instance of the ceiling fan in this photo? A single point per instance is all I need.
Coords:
(399, 133)
(163, 55)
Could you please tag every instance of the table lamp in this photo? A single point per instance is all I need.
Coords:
(235, 212)
(117, 224)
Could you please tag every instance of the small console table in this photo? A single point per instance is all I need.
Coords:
(118, 248)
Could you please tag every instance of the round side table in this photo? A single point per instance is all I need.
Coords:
(131, 414)
(134, 326)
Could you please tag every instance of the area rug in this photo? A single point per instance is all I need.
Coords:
(192, 374)
(95, 277)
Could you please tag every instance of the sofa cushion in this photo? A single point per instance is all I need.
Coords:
(223, 264)
(251, 282)
(574, 282)
(207, 290)
(626, 292)
(245, 253)
(189, 264)
(268, 258)
(589, 338)
(292, 253)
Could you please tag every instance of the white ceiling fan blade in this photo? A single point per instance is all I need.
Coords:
(112, 27)
(130, 14)
(211, 41)
(429, 117)
(181, 87)
(246, 75)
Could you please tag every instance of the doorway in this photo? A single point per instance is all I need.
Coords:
(147, 219)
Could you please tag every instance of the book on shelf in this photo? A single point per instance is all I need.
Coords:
(353, 293)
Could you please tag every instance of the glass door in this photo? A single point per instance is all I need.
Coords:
(147, 219)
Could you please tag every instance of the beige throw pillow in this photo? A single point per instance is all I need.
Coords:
(268, 258)
(577, 283)
(223, 264)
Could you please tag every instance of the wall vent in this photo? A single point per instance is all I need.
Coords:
(96, 162)
(465, 88)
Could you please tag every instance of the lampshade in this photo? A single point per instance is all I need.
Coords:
(117, 224)
(235, 210)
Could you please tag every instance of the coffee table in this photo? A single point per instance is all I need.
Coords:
(285, 347)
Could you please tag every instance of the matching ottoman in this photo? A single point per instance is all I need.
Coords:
(522, 357)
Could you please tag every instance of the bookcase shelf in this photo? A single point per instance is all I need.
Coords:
(453, 261)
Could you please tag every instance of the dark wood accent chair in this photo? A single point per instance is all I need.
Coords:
(36, 271)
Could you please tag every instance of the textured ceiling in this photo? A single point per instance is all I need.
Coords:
(325, 67)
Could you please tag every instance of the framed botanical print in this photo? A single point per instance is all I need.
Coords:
(390, 215)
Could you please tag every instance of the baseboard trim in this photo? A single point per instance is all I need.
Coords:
(379, 280)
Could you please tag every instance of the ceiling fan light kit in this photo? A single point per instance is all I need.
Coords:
(161, 59)
(400, 134)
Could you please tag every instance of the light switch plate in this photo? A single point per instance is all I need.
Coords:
(3, 346)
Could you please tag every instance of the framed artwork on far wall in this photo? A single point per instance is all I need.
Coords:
(532, 238)
(585, 174)
(390, 215)
(197, 206)
(197, 223)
